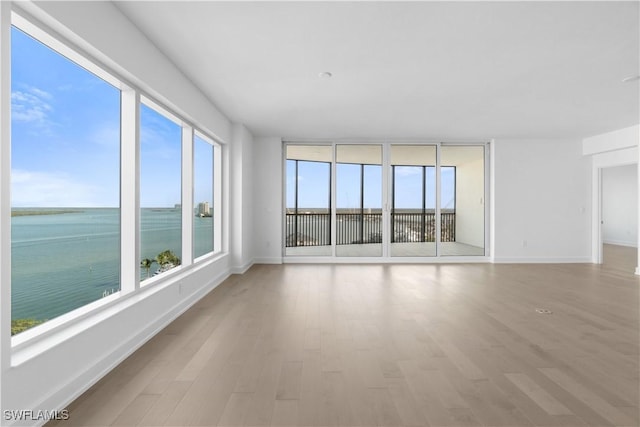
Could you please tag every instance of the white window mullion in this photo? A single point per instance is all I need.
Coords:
(386, 201)
(187, 195)
(438, 198)
(333, 188)
(130, 191)
(220, 194)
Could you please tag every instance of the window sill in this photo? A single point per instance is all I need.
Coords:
(41, 338)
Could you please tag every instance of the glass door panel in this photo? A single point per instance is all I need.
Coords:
(359, 200)
(308, 204)
(462, 200)
(413, 196)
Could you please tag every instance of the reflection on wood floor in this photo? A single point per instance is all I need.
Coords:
(412, 249)
(389, 345)
(619, 258)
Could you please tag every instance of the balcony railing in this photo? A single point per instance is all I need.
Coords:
(314, 229)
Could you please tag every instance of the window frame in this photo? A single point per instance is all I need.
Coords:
(216, 188)
(42, 337)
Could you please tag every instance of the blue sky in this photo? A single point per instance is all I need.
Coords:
(65, 127)
(313, 186)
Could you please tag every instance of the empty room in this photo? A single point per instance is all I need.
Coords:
(319, 213)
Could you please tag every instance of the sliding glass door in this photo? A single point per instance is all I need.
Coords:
(359, 200)
(413, 200)
(308, 200)
(391, 200)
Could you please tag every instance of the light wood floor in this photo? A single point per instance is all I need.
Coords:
(389, 345)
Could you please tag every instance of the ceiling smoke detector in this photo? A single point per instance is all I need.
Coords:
(325, 75)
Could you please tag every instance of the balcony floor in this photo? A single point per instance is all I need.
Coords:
(390, 345)
(427, 249)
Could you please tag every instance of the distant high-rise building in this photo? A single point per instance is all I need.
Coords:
(203, 209)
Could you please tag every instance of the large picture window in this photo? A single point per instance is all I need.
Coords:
(97, 179)
(65, 184)
(160, 192)
(204, 209)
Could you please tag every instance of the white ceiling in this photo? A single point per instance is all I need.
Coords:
(433, 70)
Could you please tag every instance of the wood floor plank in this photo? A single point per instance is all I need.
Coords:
(594, 401)
(235, 410)
(538, 395)
(164, 406)
(289, 382)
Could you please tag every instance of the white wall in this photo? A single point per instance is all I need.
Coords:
(620, 205)
(267, 195)
(241, 216)
(470, 203)
(541, 194)
(48, 372)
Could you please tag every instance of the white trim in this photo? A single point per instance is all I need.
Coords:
(391, 260)
(268, 260)
(243, 268)
(596, 216)
(438, 206)
(541, 260)
(158, 108)
(627, 243)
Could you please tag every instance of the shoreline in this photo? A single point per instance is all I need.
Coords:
(27, 212)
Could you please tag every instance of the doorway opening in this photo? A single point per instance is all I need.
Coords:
(619, 217)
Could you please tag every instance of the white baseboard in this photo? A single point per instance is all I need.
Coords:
(73, 389)
(542, 260)
(269, 260)
(627, 243)
(637, 271)
(380, 260)
(243, 268)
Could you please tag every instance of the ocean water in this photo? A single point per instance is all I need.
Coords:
(63, 261)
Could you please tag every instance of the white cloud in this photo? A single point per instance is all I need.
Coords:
(40, 93)
(46, 189)
(31, 106)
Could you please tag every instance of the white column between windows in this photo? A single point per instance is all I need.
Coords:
(130, 191)
(187, 195)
